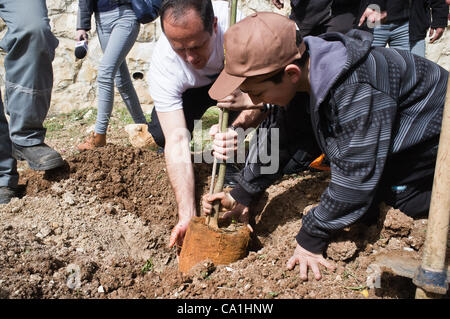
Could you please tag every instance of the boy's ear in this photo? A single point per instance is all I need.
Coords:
(293, 71)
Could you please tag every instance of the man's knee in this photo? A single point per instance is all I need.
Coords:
(37, 37)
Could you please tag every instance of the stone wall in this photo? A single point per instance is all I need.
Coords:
(75, 81)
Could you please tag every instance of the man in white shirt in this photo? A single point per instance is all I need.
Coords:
(186, 61)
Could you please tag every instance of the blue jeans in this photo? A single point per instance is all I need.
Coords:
(30, 46)
(117, 31)
(418, 48)
(394, 35)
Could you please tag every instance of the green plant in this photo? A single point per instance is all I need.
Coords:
(147, 267)
(360, 286)
(53, 125)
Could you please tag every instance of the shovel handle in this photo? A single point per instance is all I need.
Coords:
(432, 274)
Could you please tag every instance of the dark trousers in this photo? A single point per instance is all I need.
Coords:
(413, 199)
(407, 182)
(196, 102)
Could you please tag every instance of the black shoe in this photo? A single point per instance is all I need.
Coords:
(40, 157)
(7, 193)
(293, 167)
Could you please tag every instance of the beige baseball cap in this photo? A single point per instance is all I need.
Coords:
(259, 44)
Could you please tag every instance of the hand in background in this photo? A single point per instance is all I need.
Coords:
(436, 34)
(372, 16)
(278, 3)
(82, 35)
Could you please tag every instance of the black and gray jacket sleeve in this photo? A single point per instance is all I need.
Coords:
(85, 10)
(295, 142)
(357, 148)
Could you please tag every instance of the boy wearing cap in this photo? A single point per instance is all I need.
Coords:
(376, 113)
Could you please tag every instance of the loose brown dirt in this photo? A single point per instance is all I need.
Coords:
(99, 228)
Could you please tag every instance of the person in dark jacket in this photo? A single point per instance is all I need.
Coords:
(393, 30)
(375, 112)
(404, 24)
(117, 29)
(320, 16)
(448, 3)
(424, 15)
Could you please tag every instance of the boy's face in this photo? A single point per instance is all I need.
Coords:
(189, 39)
(262, 90)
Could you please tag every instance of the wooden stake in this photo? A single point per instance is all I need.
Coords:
(213, 218)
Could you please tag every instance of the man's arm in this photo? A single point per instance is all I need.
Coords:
(179, 169)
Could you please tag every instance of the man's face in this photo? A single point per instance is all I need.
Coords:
(189, 39)
(261, 90)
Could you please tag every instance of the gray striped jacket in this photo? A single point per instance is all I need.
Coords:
(368, 107)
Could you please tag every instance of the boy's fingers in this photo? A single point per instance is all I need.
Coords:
(316, 271)
(303, 269)
(220, 156)
(291, 263)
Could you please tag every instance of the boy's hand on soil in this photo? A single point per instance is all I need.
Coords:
(224, 144)
(306, 259)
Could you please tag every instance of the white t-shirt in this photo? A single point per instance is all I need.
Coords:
(169, 76)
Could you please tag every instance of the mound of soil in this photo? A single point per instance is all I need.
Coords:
(99, 228)
(129, 178)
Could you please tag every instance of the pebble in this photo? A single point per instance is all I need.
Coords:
(35, 278)
(68, 198)
(101, 289)
(58, 190)
(87, 115)
(46, 231)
